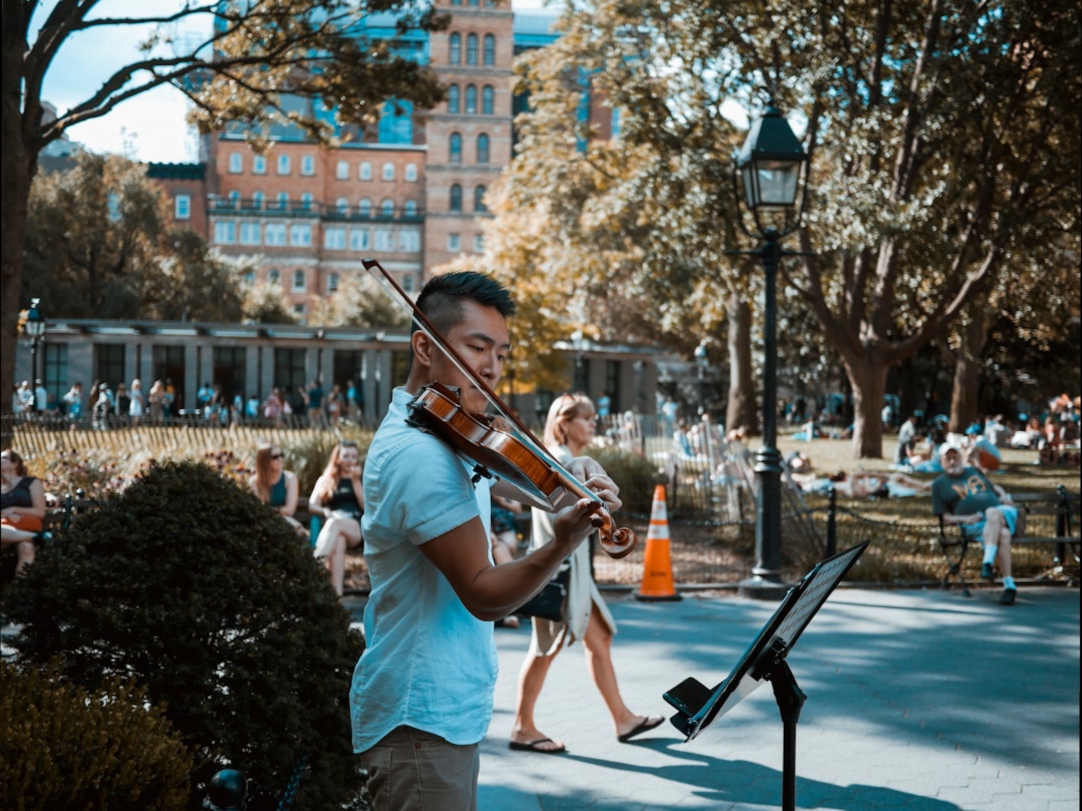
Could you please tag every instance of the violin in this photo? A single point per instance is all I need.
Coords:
(500, 445)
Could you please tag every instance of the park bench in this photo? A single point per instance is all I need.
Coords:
(1050, 519)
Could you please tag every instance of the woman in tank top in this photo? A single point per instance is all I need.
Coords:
(275, 486)
(22, 507)
(337, 497)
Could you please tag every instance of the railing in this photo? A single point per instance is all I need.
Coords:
(270, 207)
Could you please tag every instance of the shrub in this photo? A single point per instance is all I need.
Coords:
(206, 597)
(63, 747)
(634, 474)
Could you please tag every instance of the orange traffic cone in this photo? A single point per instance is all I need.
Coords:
(657, 583)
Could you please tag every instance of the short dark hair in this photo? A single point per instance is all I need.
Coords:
(442, 296)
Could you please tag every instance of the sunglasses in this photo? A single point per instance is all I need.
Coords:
(277, 455)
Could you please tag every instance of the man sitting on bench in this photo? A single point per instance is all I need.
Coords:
(963, 495)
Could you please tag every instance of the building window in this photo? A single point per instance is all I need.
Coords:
(249, 233)
(384, 239)
(456, 197)
(225, 233)
(409, 240)
(454, 242)
(274, 233)
(182, 207)
(257, 200)
(236, 163)
(283, 164)
(489, 55)
(358, 239)
(306, 201)
(410, 208)
(341, 170)
(388, 171)
(300, 234)
(365, 171)
(283, 200)
(341, 205)
(332, 283)
(471, 49)
(259, 165)
(298, 310)
(455, 54)
(112, 205)
(455, 145)
(411, 172)
(334, 239)
(387, 208)
(471, 99)
(248, 279)
(364, 207)
(479, 243)
(488, 100)
(274, 277)
(482, 148)
(453, 99)
(234, 200)
(299, 282)
(308, 165)
(479, 199)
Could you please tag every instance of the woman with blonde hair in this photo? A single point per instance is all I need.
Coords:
(568, 430)
(339, 500)
(275, 486)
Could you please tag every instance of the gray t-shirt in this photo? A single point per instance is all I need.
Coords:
(968, 493)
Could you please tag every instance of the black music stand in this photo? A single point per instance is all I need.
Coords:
(698, 705)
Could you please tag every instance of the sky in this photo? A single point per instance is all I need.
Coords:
(149, 127)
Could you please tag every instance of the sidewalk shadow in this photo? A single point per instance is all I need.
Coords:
(740, 781)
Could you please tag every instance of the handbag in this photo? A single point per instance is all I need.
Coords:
(549, 603)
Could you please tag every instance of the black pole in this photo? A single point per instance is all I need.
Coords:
(765, 581)
(832, 523)
(790, 699)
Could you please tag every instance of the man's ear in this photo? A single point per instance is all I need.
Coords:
(422, 347)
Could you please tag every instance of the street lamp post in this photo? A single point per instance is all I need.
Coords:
(702, 362)
(770, 166)
(578, 343)
(35, 328)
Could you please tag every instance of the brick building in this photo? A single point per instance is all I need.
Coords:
(411, 192)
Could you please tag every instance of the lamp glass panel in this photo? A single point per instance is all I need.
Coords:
(777, 182)
(34, 327)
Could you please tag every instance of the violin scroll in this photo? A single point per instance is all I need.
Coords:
(616, 543)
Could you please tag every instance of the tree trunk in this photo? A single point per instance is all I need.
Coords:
(967, 371)
(741, 410)
(868, 375)
(15, 166)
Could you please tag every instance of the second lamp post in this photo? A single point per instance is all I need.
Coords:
(770, 166)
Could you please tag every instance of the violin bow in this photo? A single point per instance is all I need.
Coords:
(615, 547)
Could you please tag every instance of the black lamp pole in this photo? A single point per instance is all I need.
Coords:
(770, 166)
(702, 361)
(35, 328)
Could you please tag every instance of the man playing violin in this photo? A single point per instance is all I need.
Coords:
(422, 692)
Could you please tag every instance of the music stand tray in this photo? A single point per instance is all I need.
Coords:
(698, 706)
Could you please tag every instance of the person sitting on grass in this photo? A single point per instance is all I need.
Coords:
(964, 496)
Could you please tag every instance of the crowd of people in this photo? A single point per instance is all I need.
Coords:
(106, 405)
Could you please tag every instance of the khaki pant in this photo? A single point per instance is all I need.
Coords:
(411, 770)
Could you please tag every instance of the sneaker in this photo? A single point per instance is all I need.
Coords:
(1007, 597)
(988, 572)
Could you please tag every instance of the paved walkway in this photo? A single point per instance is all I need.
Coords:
(920, 700)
